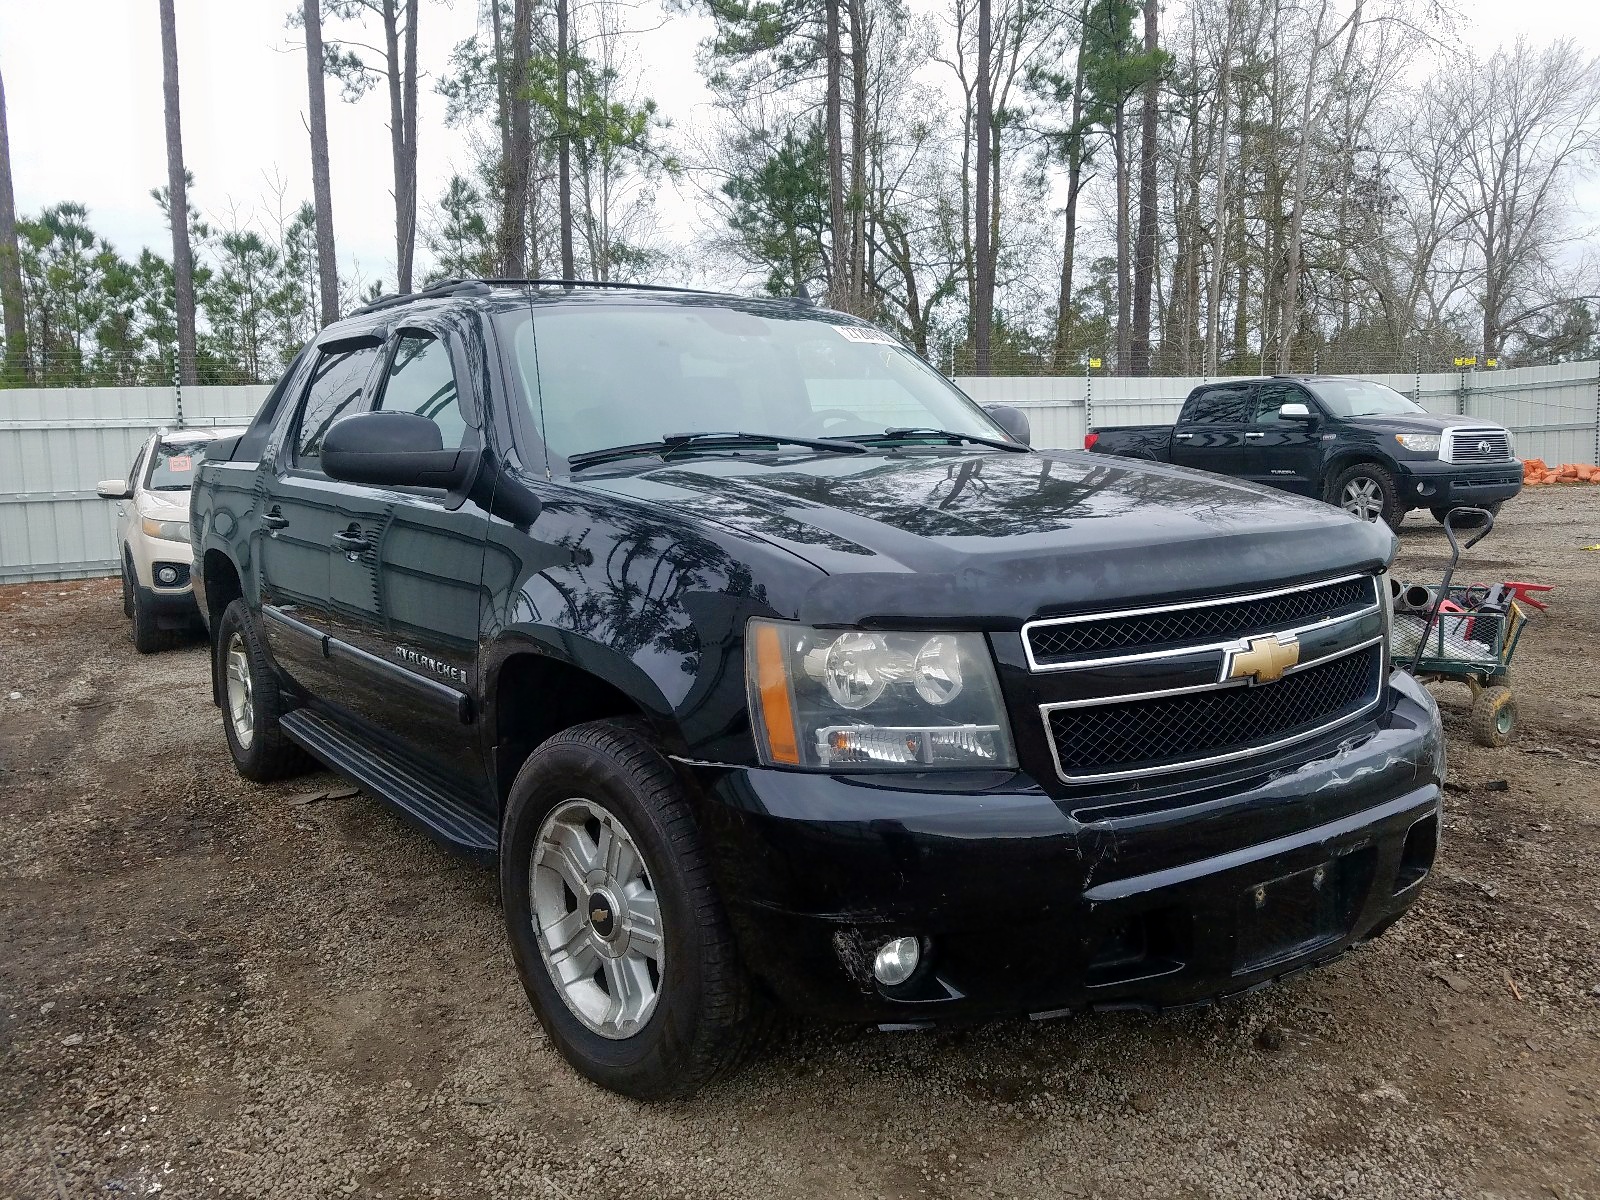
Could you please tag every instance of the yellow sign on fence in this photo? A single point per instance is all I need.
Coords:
(1094, 364)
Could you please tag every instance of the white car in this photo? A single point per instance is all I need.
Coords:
(153, 533)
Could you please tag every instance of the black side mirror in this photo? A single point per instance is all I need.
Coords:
(393, 449)
(1013, 420)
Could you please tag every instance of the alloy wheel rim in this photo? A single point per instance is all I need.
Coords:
(596, 918)
(241, 692)
(1363, 498)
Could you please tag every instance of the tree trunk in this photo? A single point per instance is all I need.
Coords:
(16, 364)
(1063, 343)
(1119, 154)
(564, 142)
(984, 291)
(321, 182)
(858, 157)
(1220, 219)
(1144, 258)
(409, 98)
(839, 239)
(1310, 129)
(178, 203)
(518, 141)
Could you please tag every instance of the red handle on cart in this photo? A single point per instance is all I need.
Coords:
(1520, 591)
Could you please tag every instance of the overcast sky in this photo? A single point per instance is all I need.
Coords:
(83, 95)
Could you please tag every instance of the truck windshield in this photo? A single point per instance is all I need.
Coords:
(1363, 398)
(599, 376)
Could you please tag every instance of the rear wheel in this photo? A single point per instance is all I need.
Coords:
(252, 701)
(1494, 716)
(1368, 492)
(148, 637)
(617, 931)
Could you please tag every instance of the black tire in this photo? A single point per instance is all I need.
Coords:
(1494, 716)
(706, 1013)
(148, 637)
(1369, 482)
(127, 587)
(266, 754)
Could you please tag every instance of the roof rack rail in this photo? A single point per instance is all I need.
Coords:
(604, 283)
(444, 287)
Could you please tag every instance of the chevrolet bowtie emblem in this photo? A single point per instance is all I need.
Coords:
(599, 916)
(1261, 659)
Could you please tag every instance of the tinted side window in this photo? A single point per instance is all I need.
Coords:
(421, 381)
(133, 471)
(335, 391)
(1219, 406)
(1274, 396)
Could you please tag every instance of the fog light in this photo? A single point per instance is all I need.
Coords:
(897, 961)
(167, 575)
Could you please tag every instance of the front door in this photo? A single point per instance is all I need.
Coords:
(1284, 454)
(299, 513)
(1209, 435)
(404, 579)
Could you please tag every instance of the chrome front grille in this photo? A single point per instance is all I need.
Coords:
(1171, 733)
(1057, 642)
(1170, 688)
(1478, 445)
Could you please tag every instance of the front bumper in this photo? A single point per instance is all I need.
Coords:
(1025, 910)
(1434, 484)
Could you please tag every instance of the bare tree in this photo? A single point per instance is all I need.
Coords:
(564, 134)
(1144, 257)
(321, 181)
(1522, 123)
(983, 316)
(16, 325)
(516, 143)
(396, 64)
(1220, 204)
(178, 202)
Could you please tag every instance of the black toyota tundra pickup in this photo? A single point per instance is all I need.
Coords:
(772, 671)
(1352, 442)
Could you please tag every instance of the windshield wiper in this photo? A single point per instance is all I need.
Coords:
(674, 442)
(949, 435)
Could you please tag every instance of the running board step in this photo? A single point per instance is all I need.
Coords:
(449, 818)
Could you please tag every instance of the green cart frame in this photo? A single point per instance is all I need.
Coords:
(1474, 648)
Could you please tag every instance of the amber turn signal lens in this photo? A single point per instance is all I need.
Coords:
(772, 685)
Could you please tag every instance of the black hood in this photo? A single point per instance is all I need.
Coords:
(992, 539)
(1417, 423)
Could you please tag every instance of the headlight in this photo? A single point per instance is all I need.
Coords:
(860, 700)
(1422, 443)
(169, 531)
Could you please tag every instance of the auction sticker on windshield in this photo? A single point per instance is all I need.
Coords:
(861, 333)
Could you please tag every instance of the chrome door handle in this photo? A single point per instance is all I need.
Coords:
(350, 541)
(1183, 437)
(1255, 435)
(275, 520)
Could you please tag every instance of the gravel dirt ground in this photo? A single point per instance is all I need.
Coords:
(208, 989)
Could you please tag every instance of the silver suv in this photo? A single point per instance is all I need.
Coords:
(153, 533)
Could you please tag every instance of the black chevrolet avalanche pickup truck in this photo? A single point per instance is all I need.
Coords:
(1351, 442)
(773, 672)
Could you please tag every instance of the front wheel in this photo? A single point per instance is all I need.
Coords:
(1368, 492)
(616, 928)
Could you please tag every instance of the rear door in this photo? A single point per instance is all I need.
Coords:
(405, 573)
(1284, 454)
(1209, 435)
(299, 513)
